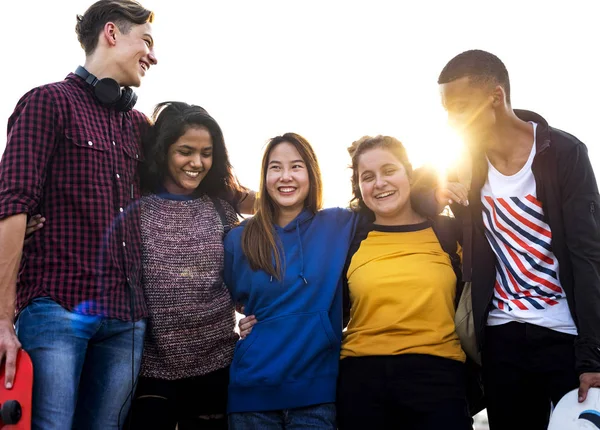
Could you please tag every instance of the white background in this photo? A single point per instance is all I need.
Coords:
(330, 70)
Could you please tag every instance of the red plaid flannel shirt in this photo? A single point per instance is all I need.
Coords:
(75, 161)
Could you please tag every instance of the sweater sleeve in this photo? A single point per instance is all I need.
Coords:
(228, 263)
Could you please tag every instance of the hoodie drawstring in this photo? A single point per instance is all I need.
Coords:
(301, 254)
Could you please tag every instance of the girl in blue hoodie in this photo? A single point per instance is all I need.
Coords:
(285, 265)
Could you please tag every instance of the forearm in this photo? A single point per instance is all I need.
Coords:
(12, 232)
(246, 205)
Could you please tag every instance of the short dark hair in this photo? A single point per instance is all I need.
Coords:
(171, 120)
(124, 13)
(358, 148)
(479, 66)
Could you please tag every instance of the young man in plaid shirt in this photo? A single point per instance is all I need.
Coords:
(72, 153)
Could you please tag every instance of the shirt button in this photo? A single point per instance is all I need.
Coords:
(137, 156)
(90, 142)
(123, 243)
(121, 210)
(118, 176)
(114, 143)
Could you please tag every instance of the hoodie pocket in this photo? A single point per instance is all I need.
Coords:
(287, 349)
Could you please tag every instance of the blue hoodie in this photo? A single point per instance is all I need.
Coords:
(291, 357)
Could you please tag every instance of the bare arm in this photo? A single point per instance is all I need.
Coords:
(12, 233)
(246, 205)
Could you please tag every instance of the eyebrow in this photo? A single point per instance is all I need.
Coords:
(385, 166)
(291, 162)
(191, 148)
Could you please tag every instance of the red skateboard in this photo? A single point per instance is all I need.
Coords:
(15, 404)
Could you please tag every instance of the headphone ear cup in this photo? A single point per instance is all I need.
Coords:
(107, 91)
(127, 100)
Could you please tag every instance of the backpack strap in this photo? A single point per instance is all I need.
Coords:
(222, 215)
(363, 228)
(447, 231)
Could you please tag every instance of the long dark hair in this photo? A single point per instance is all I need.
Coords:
(259, 242)
(170, 121)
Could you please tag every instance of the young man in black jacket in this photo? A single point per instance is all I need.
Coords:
(531, 216)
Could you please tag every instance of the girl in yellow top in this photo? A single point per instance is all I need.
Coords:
(402, 365)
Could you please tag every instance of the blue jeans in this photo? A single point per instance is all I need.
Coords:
(321, 417)
(82, 366)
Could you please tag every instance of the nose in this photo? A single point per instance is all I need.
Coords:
(196, 161)
(152, 57)
(286, 175)
(380, 181)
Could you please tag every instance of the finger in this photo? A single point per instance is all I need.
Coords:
(245, 325)
(11, 367)
(453, 197)
(247, 320)
(460, 191)
(584, 387)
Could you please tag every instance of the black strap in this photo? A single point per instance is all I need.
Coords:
(222, 215)
(447, 232)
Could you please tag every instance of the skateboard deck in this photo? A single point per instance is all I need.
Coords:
(569, 414)
(18, 397)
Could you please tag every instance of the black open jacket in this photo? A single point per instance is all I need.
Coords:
(567, 188)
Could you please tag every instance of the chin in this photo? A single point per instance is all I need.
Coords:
(134, 81)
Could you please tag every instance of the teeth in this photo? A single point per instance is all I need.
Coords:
(386, 194)
(144, 66)
(192, 174)
(287, 190)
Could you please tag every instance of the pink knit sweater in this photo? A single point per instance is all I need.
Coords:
(191, 321)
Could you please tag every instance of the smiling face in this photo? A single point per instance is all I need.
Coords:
(384, 185)
(135, 54)
(189, 160)
(470, 107)
(287, 180)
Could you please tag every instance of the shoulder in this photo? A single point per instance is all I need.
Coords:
(448, 232)
(139, 118)
(564, 142)
(61, 91)
(46, 94)
(230, 213)
(445, 222)
(339, 215)
(233, 239)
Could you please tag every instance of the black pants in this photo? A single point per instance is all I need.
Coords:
(525, 369)
(411, 391)
(162, 405)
